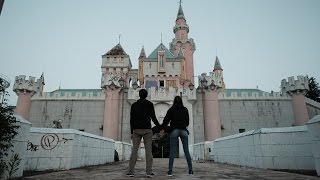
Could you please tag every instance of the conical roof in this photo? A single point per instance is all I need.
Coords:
(142, 53)
(217, 65)
(180, 13)
(117, 50)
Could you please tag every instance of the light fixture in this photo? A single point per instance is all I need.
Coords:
(191, 86)
(121, 82)
(212, 86)
(134, 85)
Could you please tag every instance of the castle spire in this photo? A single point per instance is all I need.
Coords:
(180, 12)
(142, 53)
(217, 65)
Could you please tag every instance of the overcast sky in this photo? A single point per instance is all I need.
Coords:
(258, 42)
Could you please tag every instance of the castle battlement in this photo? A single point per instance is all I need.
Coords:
(163, 94)
(30, 85)
(257, 94)
(214, 78)
(300, 84)
(71, 95)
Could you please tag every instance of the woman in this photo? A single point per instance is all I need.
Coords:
(178, 117)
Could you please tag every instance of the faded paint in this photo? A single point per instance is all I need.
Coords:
(23, 104)
(212, 123)
(111, 114)
(301, 116)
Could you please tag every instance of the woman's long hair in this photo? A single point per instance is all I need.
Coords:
(177, 102)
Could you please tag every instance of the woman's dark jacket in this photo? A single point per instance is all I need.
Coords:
(178, 116)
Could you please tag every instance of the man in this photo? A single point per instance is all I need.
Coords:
(142, 112)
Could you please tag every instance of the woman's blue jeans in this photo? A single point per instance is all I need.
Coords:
(173, 147)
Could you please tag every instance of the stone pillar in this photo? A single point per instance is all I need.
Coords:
(297, 89)
(212, 123)
(25, 89)
(23, 103)
(314, 132)
(111, 114)
(299, 107)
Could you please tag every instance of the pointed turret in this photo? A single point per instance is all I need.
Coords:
(117, 50)
(217, 65)
(180, 12)
(142, 53)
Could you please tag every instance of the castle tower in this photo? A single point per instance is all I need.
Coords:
(140, 69)
(4, 84)
(297, 89)
(210, 86)
(25, 89)
(218, 71)
(115, 66)
(181, 40)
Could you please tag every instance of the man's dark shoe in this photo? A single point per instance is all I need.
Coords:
(130, 174)
(169, 173)
(150, 174)
(190, 172)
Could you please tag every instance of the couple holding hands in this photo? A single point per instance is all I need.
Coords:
(141, 114)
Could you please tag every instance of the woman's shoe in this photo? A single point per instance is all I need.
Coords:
(169, 173)
(190, 172)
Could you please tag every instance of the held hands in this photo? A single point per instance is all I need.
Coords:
(162, 132)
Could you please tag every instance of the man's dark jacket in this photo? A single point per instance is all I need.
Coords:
(142, 112)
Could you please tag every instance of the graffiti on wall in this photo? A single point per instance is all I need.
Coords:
(47, 142)
(32, 147)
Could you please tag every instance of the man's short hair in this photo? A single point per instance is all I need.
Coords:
(143, 93)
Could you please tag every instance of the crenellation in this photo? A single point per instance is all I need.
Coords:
(301, 84)
(26, 85)
(70, 95)
(253, 95)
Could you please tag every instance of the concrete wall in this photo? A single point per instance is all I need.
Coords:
(124, 150)
(19, 146)
(78, 114)
(124, 126)
(272, 148)
(314, 129)
(58, 149)
(248, 114)
(198, 121)
(313, 107)
(201, 151)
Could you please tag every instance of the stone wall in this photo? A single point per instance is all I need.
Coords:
(86, 115)
(58, 149)
(313, 107)
(272, 148)
(124, 150)
(198, 121)
(19, 146)
(247, 114)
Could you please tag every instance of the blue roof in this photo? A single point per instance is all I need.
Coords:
(161, 47)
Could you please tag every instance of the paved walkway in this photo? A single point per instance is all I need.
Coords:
(203, 170)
